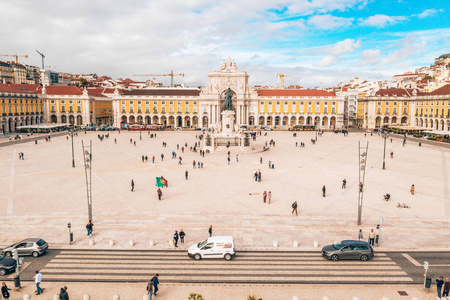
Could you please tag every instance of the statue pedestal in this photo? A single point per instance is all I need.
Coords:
(227, 123)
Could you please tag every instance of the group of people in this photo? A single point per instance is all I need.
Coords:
(301, 144)
(197, 165)
(21, 155)
(179, 235)
(267, 197)
(371, 239)
(257, 175)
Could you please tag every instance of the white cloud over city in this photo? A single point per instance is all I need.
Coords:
(323, 41)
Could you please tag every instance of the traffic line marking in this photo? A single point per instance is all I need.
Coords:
(412, 260)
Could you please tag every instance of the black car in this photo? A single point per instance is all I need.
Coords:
(348, 249)
(7, 264)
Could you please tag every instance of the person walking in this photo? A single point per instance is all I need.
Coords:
(186, 174)
(371, 237)
(210, 231)
(392, 154)
(324, 191)
(182, 235)
(63, 295)
(361, 187)
(89, 228)
(153, 159)
(446, 288)
(228, 159)
(256, 175)
(260, 160)
(439, 284)
(360, 235)
(159, 193)
(259, 176)
(150, 289)
(264, 196)
(5, 291)
(132, 185)
(237, 158)
(344, 183)
(38, 280)
(413, 189)
(175, 238)
(294, 208)
(269, 197)
(155, 281)
(193, 164)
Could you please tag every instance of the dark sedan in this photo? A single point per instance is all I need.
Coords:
(7, 264)
(348, 250)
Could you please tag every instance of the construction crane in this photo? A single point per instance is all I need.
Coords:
(168, 74)
(281, 76)
(15, 55)
(43, 56)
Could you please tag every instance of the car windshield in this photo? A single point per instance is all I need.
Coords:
(338, 246)
(40, 242)
(201, 244)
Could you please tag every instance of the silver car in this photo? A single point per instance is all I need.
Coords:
(348, 249)
(30, 246)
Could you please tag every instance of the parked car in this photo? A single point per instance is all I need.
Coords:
(31, 246)
(213, 247)
(266, 128)
(7, 264)
(348, 250)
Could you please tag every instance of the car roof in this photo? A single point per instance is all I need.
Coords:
(30, 240)
(352, 242)
(220, 239)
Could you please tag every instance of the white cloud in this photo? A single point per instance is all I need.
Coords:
(381, 20)
(410, 47)
(369, 57)
(306, 7)
(328, 60)
(347, 45)
(427, 13)
(329, 21)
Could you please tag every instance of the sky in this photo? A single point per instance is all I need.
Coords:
(324, 42)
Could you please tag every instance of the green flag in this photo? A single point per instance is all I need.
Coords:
(159, 182)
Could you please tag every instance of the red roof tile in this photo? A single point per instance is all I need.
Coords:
(294, 93)
(445, 90)
(62, 90)
(163, 92)
(9, 89)
(25, 87)
(396, 92)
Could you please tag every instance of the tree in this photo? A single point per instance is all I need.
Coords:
(193, 296)
(83, 82)
(251, 297)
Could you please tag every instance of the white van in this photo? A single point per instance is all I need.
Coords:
(213, 247)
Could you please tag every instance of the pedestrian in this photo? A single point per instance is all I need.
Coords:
(361, 187)
(146, 158)
(193, 164)
(182, 149)
(155, 281)
(198, 165)
(237, 158)
(404, 142)
(143, 158)
(178, 146)
(63, 295)
(294, 208)
(439, 284)
(256, 175)
(162, 157)
(182, 235)
(392, 154)
(344, 183)
(115, 141)
(259, 176)
(5, 291)
(210, 231)
(201, 165)
(446, 288)
(89, 228)
(132, 185)
(159, 193)
(371, 237)
(264, 196)
(296, 144)
(413, 189)
(269, 197)
(175, 238)
(134, 143)
(150, 289)
(186, 174)
(180, 159)
(260, 160)
(324, 191)
(153, 159)
(38, 280)
(360, 235)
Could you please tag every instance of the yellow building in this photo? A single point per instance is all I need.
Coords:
(19, 107)
(432, 110)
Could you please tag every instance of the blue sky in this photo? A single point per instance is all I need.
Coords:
(322, 41)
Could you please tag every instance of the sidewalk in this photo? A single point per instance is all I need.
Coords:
(134, 291)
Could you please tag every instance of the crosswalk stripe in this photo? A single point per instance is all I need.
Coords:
(234, 279)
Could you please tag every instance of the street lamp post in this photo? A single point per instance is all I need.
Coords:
(140, 130)
(73, 157)
(384, 152)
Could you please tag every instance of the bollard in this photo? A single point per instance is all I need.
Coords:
(385, 298)
(170, 243)
(111, 242)
(414, 298)
(26, 297)
(275, 244)
(116, 297)
(131, 243)
(355, 298)
(87, 297)
(295, 244)
(151, 243)
(91, 242)
(295, 298)
(55, 297)
(316, 244)
(325, 298)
